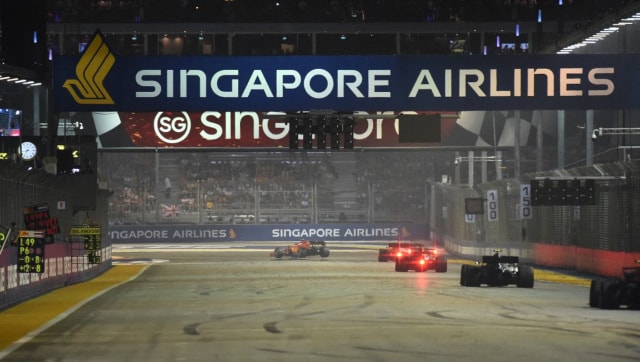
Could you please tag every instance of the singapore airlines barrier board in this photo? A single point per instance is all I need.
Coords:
(99, 80)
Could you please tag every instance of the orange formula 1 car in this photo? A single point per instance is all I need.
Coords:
(302, 249)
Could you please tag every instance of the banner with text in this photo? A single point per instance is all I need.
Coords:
(98, 80)
(275, 232)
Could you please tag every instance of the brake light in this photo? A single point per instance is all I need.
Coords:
(435, 251)
(399, 255)
(421, 261)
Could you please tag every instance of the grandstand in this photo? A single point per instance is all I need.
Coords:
(267, 187)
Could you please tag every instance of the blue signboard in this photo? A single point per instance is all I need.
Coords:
(276, 232)
(98, 80)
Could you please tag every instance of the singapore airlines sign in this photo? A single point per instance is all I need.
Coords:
(97, 80)
(91, 69)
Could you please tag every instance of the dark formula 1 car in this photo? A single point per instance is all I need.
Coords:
(612, 293)
(497, 270)
(391, 251)
(420, 259)
(302, 249)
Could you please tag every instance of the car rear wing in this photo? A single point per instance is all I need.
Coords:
(403, 245)
(493, 259)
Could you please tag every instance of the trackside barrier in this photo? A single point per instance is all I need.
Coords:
(349, 232)
(592, 261)
(61, 268)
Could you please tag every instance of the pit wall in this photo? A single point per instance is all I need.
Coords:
(70, 202)
(64, 264)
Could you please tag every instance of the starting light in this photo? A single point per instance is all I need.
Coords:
(318, 126)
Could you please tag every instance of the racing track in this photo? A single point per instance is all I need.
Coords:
(237, 304)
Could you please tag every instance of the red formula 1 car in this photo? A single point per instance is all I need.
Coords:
(393, 249)
(302, 249)
(420, 259)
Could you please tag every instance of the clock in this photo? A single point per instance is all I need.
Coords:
(27, 151)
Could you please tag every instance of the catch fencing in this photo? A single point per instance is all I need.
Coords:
(612, 223)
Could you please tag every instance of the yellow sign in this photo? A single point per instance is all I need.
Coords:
(92, 68)
(85, 230)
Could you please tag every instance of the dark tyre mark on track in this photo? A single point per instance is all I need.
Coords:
(271, 327)
(191, 329)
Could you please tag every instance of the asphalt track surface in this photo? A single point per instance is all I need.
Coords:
(234, 303)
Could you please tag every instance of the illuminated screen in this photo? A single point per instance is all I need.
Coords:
(512, 47)
(10, 120)
(457, 46)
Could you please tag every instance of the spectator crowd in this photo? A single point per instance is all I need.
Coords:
(287, 184)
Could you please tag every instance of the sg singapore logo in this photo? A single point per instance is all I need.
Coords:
(172, 127)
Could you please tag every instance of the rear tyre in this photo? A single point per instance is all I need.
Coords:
(401, 268)
(441, 265)
(525, 279)
(610, 294)
(473, 276)
(463, 275)
(278, 253)
(381, 255)
(324, 252)
(595, 293)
